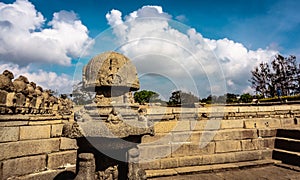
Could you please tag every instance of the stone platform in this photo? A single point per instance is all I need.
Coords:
(263, 172)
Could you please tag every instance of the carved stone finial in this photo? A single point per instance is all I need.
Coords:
(110, 69)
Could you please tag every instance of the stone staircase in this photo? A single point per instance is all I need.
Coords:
(287, 146)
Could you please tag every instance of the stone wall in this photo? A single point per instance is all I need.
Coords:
(213, 135)
(32, 147)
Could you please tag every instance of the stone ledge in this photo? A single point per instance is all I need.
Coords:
(207, 168)
(68, 144)
(67, 173)
(61, 159)
(28, 147)
(22, 166)
(9, 134)
(35, 132)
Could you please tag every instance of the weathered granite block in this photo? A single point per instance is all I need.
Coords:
(202, 136)
(182, 136)
(28, 147)
(247, 155)
(231, 124)
(287, 122)
(61, 159)
(266, 154)
(32, 123)
(11, 123)
(266, 143)
(22, 166)
(35, 132)
(195, 149)
(228, 146)
(182, 110)
(159, 117)
(159, 110)
(180, 149)
(190, 161)
(56, 130)
(232, 134)
(159, 138)
(248, 109)
(154, 152)
(153, 164)
(9, 134)
(67, 144)
(205, 125)
(219, 158)
(262, 123)
(267, 132)
(67, 173)
(167, 126)
(168, 163)
(249, 144)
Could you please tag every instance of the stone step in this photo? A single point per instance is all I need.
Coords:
(287, 144)
(208, 168)
(287, 166)
(288, 133)
(287, 157)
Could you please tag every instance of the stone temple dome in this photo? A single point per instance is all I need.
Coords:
(110, 69)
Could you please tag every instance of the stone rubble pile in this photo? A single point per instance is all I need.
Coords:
(19, 96)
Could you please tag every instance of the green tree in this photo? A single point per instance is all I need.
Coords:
(284, 75)
(145, 96)
(231, 98)
(261, 79)
(246, 98)
(182, 98)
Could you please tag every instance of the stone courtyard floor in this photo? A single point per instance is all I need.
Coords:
(256, 173)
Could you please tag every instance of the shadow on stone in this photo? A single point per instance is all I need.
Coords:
(66, 175)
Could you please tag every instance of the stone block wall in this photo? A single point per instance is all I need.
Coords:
(32, 147)
(213, 135)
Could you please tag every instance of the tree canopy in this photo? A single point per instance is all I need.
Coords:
(182, 98)
(281, 77)
(145, 96)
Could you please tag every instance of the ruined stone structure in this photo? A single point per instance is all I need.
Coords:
(111, 127)
(31, 125)
(233, 137)
(20, 96)
(114, 138)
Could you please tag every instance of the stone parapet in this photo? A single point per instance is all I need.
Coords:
(32, 147)
(186, 137)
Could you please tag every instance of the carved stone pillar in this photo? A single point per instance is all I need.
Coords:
(86, 167)
(134, 171)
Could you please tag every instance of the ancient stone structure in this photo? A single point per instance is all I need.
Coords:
(112, 124)
(241, 136)
(20, 96)
(113, 138)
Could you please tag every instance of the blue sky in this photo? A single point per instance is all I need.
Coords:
(261, 28)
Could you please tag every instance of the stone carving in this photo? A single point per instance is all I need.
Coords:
(113, 113)
(134, 171)
(20, 96)
(111, 173)
(110, 69)
(72, 130)
(6, 83)
(114, 117)
(65, 105)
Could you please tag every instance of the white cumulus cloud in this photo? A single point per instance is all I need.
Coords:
(25, 38)
(158, 45)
